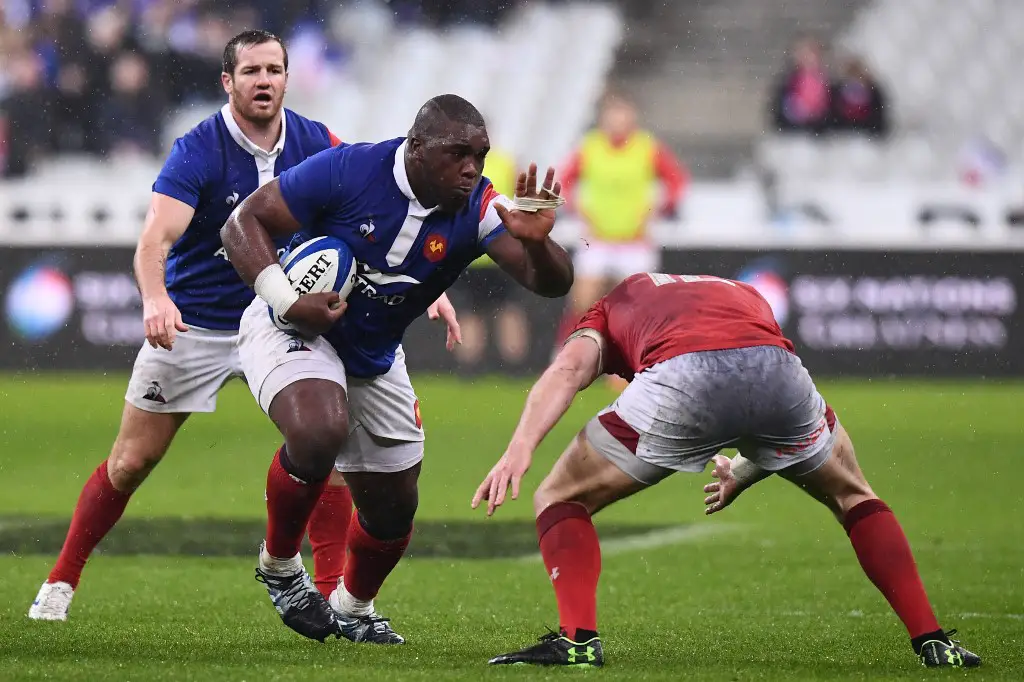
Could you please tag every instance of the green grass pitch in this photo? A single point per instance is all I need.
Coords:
(768, 590)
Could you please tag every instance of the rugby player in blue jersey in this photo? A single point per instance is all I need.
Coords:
(347, 403)
(193, 300)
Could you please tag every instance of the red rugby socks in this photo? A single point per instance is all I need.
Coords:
(99, 507)
(572, 555)
(290, 503)
(370, 560)
(885, 556)
(328, 532)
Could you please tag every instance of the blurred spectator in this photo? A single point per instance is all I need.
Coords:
(74, 111)
(101, 76)
(858, 102)
(131, 114)
(611, 180)
(26, 108)
(801, 100)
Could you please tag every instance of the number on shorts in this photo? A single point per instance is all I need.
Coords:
(661, 279)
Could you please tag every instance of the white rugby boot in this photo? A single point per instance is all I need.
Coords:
(52, 602)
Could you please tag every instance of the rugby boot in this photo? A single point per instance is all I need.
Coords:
(299, 603)
(52, 602)
(371, 628)
(938, 654)
(555, 648)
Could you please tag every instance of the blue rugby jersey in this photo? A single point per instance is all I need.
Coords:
(407, 255)
(212, 168)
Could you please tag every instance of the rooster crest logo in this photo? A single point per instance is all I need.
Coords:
(435, 247)
(366, 230)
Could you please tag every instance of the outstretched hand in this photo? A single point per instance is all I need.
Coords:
(509, 471)
(722, 491)
(442, 308)
(527, 226)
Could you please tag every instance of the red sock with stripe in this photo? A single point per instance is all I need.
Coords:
(572, 555)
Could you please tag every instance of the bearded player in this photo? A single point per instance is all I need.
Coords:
(192, 303)
(708, 369)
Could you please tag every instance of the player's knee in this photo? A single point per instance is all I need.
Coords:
(128, 466)
(314, 444)
(391, 522)
(547, 494)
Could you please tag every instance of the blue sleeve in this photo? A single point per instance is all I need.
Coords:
(183, 175)
(311, 187)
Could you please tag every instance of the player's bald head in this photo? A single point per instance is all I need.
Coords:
(440, 115)
(445, 152)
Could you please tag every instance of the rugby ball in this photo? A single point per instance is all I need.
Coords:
(321, 264)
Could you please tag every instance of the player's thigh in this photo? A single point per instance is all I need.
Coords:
(838, 483)
(383, 476)
(273, 360)
(143, 438)
(593, 265)
(386, 406)
(186, 378)
(596, 470)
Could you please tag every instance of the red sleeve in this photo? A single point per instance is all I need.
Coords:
(490, 194)
(570, 175)
(595, 319)
(672, 174)
(335, 140)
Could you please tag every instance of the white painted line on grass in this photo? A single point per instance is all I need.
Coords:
(886, 614)
(663, 537)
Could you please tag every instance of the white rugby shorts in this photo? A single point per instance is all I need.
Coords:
(188, 377)
(676, 415)
(384, 416)
(611, 260)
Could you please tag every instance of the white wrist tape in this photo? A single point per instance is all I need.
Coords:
(274, 287)
(534, 204)
(746, 472)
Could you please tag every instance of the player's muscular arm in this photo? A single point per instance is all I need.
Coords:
(166, 220)
(575, 367)
(248, 238)
(543, 267)
(249, 233)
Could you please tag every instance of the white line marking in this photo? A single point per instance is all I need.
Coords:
(665, 537)
(886, 614)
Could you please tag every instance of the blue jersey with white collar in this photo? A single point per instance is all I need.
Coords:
(212, 168)
(407, 255)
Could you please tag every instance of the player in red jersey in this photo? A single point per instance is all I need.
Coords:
(708, 369)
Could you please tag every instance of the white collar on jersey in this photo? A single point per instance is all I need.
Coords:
(402, 179)
(244, 142)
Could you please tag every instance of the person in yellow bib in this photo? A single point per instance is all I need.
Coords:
(486, 295)
(611, 181)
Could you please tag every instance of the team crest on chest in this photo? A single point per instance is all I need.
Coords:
(435, 247)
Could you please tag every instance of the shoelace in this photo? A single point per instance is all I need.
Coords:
(295, 593)
(551, 635)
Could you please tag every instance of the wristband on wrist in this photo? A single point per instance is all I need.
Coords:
(274, 287)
